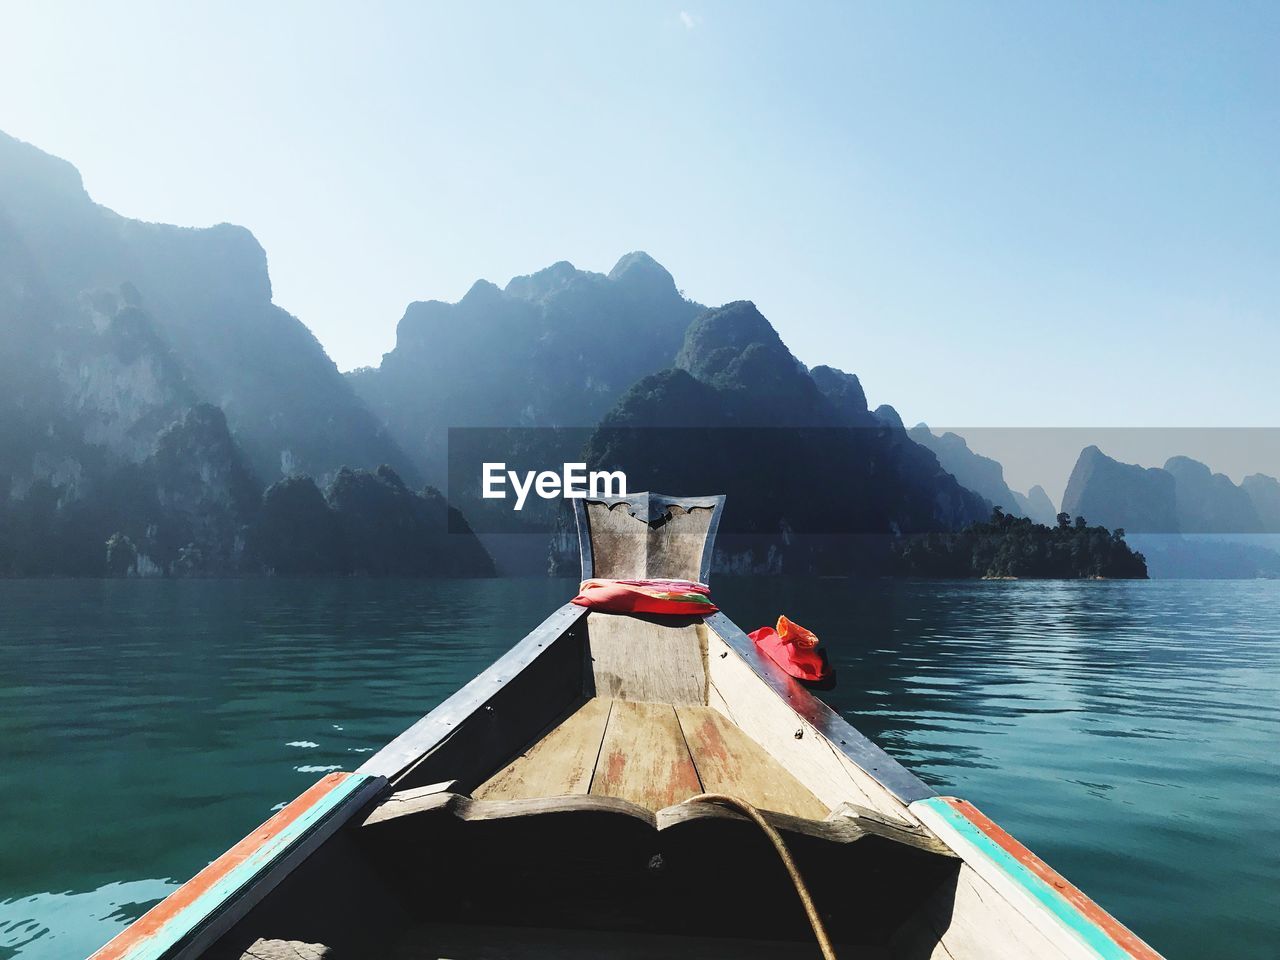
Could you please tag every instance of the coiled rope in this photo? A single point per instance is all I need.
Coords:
(780, 845)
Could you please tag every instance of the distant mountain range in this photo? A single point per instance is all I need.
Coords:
(553, 349)
(149, 388)
(113, 325)
(984, 476)
(1185, 496)
(1188, 520)
(160, 415)
(815, 482)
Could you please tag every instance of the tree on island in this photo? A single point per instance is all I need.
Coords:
(1016, 547)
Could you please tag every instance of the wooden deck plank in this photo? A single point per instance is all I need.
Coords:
(644, 757)
(559, 764)
(728, 761)
(262, 949)
(636, 659)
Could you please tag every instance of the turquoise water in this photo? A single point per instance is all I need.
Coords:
(1127, 732)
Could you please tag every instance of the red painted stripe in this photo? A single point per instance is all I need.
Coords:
(1113, 927)
(151, 922)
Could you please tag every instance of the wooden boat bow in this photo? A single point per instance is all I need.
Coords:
(539, 811)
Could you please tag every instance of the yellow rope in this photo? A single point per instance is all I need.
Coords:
(819, 930)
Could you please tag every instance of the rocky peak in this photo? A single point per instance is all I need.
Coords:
(33, 180)
(482, 292)
(888, 416)
(719, 337)
(1209, 502)
(842, 389)
(982, 475)
(1037, 505)
(1115, 494)
(1264, 492)
(1188, 468)
(197, 458)
(534, 286)
(639, 271)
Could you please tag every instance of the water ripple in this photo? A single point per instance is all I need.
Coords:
(1126, 731)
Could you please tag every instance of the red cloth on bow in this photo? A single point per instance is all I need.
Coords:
(678, 597)
(794, 649)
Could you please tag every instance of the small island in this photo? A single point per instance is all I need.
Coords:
(1010, 547)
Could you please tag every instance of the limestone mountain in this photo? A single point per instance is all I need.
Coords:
(185, 508)
(1036, 505)
(149, 389)
(556, 348)
(1264, 494)
(844, 391)
(118, 324)
(1209, 502)
(980, 474)
(984, 475)
(1185, 496)
(148, 385)
(1187, 520)
(888, 416)
(1115, 494)
(369, 523)
(807, 490)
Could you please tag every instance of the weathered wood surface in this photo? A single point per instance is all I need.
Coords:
(404, 802)
(975, 922)
(644, 758)
(728, 761)
(736, 691)
(891, 828)
(838, 829)
(675, 548)
(287, 950)
(626, 548)
(863, 757)
(619, 542)
(647, 660)
(560, 763)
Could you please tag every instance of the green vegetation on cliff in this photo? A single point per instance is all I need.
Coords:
(815, 482)
(370, 524)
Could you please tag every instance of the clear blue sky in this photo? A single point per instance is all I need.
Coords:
(1016, 214)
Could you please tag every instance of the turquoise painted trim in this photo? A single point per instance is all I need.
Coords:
(246, 872)
(1093, 936)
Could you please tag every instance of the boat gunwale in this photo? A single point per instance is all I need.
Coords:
(225, 890)
(855, 746)
(1060, 910)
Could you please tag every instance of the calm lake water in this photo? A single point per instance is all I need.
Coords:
(1127, 732)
